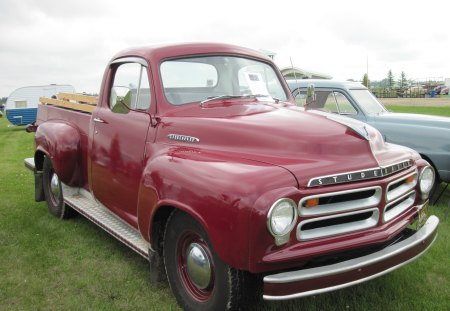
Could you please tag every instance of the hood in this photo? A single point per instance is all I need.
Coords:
(308, 144)
(415, 119)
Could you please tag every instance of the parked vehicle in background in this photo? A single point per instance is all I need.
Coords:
(428, 135)
(22, 103)
(438, 89)
(196, 157)
(444, 91)
(415, 91)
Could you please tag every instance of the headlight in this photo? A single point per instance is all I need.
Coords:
(282, 217)
(426, 181)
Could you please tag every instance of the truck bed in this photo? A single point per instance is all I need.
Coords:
(72, 113)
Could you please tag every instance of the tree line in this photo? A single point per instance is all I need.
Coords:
(401, 87)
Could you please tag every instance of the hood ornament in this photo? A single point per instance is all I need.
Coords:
(355, 125)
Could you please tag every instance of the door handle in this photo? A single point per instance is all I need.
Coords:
(98, 120)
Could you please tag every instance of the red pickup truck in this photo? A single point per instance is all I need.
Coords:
(196, 157)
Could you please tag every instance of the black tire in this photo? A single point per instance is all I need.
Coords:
(53, 193)
(224, 289)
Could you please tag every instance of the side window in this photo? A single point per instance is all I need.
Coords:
(130, 88)
(330, 103)
(325, 101)
(300, 98)
(345, 107)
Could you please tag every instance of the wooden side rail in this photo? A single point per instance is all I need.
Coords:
(77, 102)
(89, 99)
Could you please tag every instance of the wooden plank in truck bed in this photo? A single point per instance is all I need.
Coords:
(88, 99)
(77, 102)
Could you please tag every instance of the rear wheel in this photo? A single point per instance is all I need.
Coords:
(53, 192)
(199, 279)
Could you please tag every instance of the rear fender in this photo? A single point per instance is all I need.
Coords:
(61, 142)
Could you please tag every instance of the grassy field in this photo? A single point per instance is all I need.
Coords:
(49, 264)
(437, 111)
(433, 106)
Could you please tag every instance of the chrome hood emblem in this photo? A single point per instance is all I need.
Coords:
(356, 126)
(359, 175)
(188, 139)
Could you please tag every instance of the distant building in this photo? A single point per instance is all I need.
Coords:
(294, 72)
(297, 73)
(268, 53)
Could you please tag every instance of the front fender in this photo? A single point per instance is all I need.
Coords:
(61, 142)
(218, 191)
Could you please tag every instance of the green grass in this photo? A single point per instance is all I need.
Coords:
(438, 111)
(49, 264)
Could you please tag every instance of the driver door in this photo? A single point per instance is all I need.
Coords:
(121, 126)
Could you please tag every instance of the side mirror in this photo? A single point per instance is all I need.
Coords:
(121, 99)
(310, 96)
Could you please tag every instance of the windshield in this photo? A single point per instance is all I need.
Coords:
(367, 101)
(197, 79)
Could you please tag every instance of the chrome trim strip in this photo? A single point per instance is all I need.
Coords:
(353, 264)
(400, 208)
(327, 231)
(370, 173)
(400, 191)
(344, 206)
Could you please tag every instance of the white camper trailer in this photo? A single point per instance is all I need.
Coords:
(21, 106)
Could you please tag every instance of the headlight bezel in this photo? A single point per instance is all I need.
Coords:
(273, 209)
(425, 192)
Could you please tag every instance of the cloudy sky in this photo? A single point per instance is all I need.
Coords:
(46, 41)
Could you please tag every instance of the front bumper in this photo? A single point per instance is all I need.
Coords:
(306, 282)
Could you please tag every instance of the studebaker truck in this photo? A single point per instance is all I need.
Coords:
(196, 157)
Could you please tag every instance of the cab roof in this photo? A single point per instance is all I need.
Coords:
(159, 52)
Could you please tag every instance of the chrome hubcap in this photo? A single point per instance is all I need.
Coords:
(198, 265)
(54, 186)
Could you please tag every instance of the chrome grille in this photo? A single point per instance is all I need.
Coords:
(337, 224)
(342, 201)
(341, 212)
(400, 186)
(398, 206)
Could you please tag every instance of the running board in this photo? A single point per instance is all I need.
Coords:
(85, 204)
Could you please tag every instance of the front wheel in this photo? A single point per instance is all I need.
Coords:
(53, 192)
(199, 279)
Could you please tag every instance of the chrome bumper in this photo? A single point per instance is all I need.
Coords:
(301, 283)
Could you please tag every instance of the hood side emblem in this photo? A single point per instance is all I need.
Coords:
(187, 139)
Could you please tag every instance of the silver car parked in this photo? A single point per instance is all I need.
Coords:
(428, 135)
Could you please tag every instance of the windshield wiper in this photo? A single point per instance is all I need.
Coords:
(211, 98)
